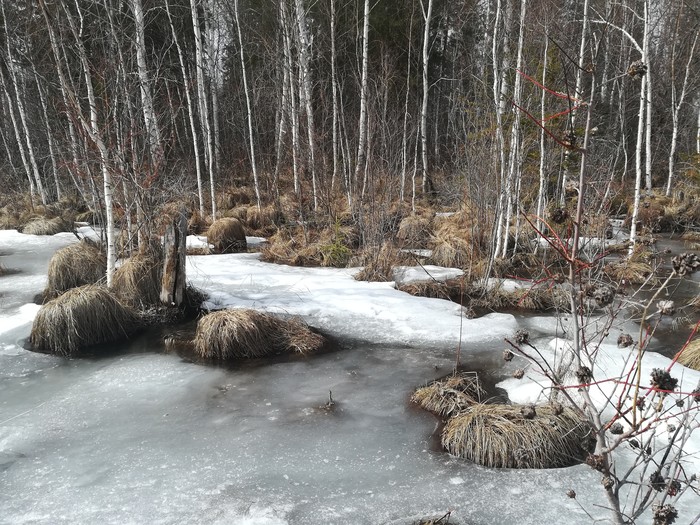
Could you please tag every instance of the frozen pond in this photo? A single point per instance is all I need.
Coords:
(144, 436)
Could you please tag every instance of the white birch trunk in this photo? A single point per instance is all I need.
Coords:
(334, 94)
(676, 104)
(305, 72)
(190, 112)
(203, 103)
(149, 115)
(249, 110)
(543, 176)
(362, 142)
(404, 137)
(646, 58)
(427, 15)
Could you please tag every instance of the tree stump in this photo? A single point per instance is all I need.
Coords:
(175, 250)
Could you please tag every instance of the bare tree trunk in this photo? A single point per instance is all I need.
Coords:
(427, 15)
(334, 91)
(677, 102)
(292, 105)
(18, 137)
(249, 110)
(543, 175)
(648, 76)
(514, 164)
(190, 111)
(404, 137)
(22, 113)
(362, 142)
(638, 164)
(203, 103)
(305, 71)
(49, 137)
(149, 115)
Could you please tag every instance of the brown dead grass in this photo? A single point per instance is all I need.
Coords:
(415, 231)
(499, 436)
(690, 355)
(450, 395)
(80, 318)
(379, 263)
(75, 265)
(44, 226)
(227, 236)
(137, 282)
(243, 334)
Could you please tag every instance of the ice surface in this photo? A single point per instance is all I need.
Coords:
(147, 437)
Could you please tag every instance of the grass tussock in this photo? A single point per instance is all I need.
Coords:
(536, 298)
(227, 236)
(234, 196)
(378, 264)
(459, 240)
(432, 289)
(80, 318)
(450, 395)
(197, 224)
(89, 217)
(503, 436)
(264, 221)
(137, 282)
(242, 334)
(44, 226)
(415, 231)
(690, 355)
(75, 265)
(630, 271)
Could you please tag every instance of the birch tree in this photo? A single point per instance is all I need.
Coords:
(427, 15)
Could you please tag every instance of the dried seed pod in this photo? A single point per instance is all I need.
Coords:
(571, 493)
(685, 263)
(617, 428)
(559, 215)
(596, 461)
(657, 481)
(664, 514)
(519, 373)
(528, 412)
(584, 375)
(625, 340)
(662, 380)
(522, 337)
(557, 408)
(608, 483)
(666, 307)
(603, 295)
(508, 355)
(673, 487)
(637, 69)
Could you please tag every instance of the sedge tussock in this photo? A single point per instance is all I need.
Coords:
(507, 436)
(244, 333)
(415, 231)
(44, 226)
(450, 395)
(80, 318)
(75, 265)
(690, 355)
(137, 282)
(227, 236)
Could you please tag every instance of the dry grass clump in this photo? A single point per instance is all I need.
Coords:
(80, 318)
(234, 196)
(288, 246)
(264, 221)
(506, 436)
(537, 298)
(75, 265)
(137, 282)
(239, 212)
(432, 289)
(242, 334)
(459, 240)
(227, 236)
(415, 231)
(9, 218)
(44, 226)
(197, 224)
(379, 263)
(450, 395)
(690, 355)
(630, 271)
(691, 236)
(89, 216)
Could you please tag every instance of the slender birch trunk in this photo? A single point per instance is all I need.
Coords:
(362, 142)
(149, 115)
(648, 77)
(304, 49)
(249, 110)
(427, 15)
(676, 104)
(543, 175)
(22, 113)
(190, 111)
(404, 137)
(203, 103)
(334, 94)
